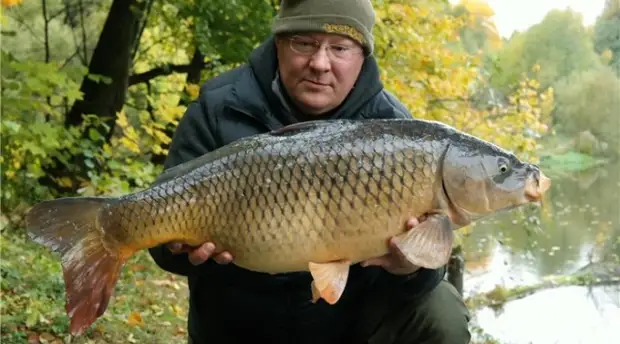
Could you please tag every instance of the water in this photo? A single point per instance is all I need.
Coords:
(578, 224)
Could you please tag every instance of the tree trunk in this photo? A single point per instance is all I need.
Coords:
(104, 89)
(111, 60)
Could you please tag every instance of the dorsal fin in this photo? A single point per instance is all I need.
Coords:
(183, 168)
(300, 127)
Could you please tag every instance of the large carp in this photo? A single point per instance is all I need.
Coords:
(316, 196)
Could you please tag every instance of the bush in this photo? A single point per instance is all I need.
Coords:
(590, 101)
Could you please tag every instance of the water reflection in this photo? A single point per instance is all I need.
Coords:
(565, 315)
(578, 223)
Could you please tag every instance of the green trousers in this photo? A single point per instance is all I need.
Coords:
(439, 317)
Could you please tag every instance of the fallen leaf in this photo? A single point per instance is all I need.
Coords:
(46, 337)
(137, 267)
(33, 338)
(180, 331)
(134, 319)
(160, 283)
(178, 310)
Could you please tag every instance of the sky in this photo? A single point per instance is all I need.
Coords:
(511, 15)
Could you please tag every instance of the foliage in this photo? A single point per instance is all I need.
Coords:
(440, 83)
(32, 97)
(590, 101)
(230, 29)
(607, 35)
(34, 135)
(479, 31)
(11, 3)
(150, 305)
(559, 44)
(569, 161)
(67, 44)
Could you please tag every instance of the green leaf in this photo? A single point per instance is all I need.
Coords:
(93, 134)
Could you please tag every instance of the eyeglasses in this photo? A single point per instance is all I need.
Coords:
(308, 47)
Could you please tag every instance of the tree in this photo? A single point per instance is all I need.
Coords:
(590, 100)
(607, 35)
(559, 45)
(479, 31)
(417, 46)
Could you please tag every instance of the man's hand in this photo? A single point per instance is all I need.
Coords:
(395, 262)
(200, 254)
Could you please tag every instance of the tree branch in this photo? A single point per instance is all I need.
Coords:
(68, 59)
(84, 40)
(22, 22)
(499, 296)
(166, 70)
(46, 32)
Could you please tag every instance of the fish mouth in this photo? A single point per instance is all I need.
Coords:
(536, 186)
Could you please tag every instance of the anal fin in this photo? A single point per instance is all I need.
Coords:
(329, 280)
(429, 244)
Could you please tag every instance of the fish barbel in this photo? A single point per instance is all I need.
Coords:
(315, 196)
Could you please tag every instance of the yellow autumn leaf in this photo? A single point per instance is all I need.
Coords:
(134, 319)
(121, 120)
(132, 146)
(11, 3)
(161, 136)
(64, 182)
(178, 310)
(192, 90)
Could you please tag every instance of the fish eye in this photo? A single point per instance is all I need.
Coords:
(503, 165)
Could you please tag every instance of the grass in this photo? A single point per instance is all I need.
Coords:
(571, 161)
(558, 157)
(149, 305)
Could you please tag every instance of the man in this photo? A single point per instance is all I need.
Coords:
(319, 65)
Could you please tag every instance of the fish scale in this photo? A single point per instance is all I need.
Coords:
(314, 196)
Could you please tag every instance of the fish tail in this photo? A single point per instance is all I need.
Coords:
(78, 230)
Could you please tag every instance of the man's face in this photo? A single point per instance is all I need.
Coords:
(318, 70)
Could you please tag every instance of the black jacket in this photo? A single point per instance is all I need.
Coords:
(236, 104)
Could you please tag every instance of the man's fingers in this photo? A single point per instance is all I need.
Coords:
(395, 251)
(177, 247)
(412, 222)
(223, 258)
(201, 254)
(375, 261)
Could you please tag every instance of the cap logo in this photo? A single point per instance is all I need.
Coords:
(345, 30)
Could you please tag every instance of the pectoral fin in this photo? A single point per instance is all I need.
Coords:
(428, 244)
(329, 280)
